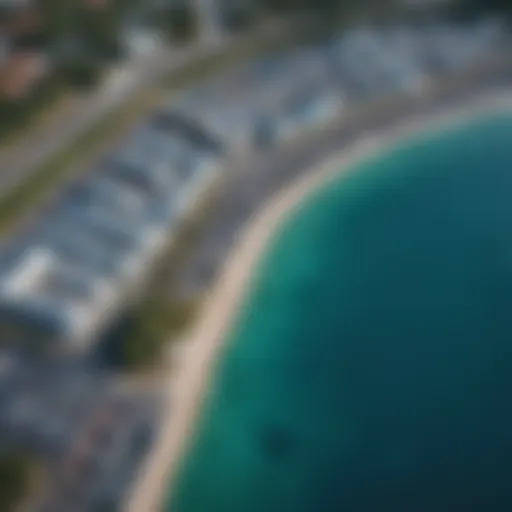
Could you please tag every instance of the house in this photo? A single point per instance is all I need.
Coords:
(20, 73)
(22, 65)
(51, 299)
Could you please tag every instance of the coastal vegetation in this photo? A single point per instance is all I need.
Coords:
(15, 115)
(159, 319)
(503, 7)
(178, 23)
(348, 11)
(16, 478)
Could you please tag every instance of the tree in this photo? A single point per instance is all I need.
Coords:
(179, 22)
(290, 6)
(59, 19)
(81, 72)
(158, 319)
(486, 6)
(100, 31)
(15, 478)
(240, 17)
(139, 348)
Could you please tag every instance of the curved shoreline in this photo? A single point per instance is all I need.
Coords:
(187, 386)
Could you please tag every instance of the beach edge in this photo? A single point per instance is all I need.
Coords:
(187, 387)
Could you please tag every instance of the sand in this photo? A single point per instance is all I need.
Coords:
(188, 384)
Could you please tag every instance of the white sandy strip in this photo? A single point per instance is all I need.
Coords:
(188, 383)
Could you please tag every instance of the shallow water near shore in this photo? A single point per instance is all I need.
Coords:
(371, 367)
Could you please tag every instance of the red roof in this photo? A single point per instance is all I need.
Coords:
(20, 73)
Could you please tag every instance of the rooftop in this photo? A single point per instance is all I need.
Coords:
(31, 269)
(20, 73)
(48, 290)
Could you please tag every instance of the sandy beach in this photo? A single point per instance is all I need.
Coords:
(187, 386)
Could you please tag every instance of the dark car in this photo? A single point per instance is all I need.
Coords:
(142, 439)
(264, 133)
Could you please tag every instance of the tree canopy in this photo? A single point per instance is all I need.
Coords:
(15, 477)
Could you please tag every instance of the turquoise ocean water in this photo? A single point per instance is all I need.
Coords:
(371, 369)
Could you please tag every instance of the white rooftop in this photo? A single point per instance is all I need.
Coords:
(28, 273)
(43, 284)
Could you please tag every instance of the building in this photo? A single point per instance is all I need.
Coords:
(22, 67)
(52, 298)
(20, 74)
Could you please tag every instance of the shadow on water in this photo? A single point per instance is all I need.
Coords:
(277, 442)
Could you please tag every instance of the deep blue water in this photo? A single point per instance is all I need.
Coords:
(371, 369)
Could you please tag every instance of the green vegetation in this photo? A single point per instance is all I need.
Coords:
(381, 11)
(82, 72)
(102, 31)
(87, 30)
(16, 476)
(16, 115)
(474, 8)
(159, 318)
(79, 42)
(179, 23)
